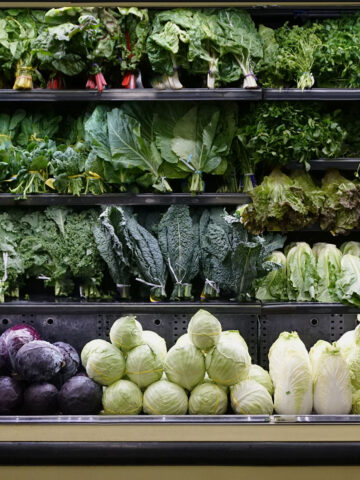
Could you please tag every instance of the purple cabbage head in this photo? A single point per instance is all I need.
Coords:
(11, 396)
(71, 363)
(38, 361)
(80, 396)
(15, 337)
(41, 399)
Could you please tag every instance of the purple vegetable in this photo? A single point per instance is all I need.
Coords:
(38, 361)
(80, 396)
(4, 357)
(41, 399)
(17, 336)
(11, 396)
(71, 363)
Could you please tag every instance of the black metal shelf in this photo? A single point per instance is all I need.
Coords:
(256, 308)
(120, 95)
(349, 164)
(313, 94)
(186, 94)
(144, 199)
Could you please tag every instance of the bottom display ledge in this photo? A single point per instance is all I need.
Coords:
(186, 453)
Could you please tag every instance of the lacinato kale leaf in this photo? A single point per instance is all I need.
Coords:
(179, 243)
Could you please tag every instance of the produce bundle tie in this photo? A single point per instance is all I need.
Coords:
(252, 178)
(217, 398)
(34, 138)
(151, 408)
(251, 74)
(5, 136)
(212, 284)
(43, 277)
(71, 177)
(93, 176)
(242, 411)
(11, 179)
(120, 285)
(214, 334)
(231, 380)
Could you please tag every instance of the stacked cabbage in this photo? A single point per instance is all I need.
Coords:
(194, 376)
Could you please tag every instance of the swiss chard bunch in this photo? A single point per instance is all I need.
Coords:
(167, 46)
(240, 46)
(131, 47)
(33, 167)
(278, 133)
(59, 47)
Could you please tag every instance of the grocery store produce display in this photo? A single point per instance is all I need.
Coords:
(128, 47)
(206, 372)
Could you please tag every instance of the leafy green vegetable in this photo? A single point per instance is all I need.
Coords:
(278, 133)
(302, 275)
(179, 243)
(283, 203)
(112, 249)
(348, 283)
(340, 213)
(273, 286)
(328, 263)
(146, 255)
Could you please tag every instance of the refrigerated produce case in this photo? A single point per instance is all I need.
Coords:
(132, 447)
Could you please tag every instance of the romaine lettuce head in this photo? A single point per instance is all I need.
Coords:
(126, 333)
(155, 342)
(351, 248)
(331, 380)
(208, 399)
(356, 403)
(185, 365)
(143, 366)
(228, 362)
(290, 371)
(301, 273)
(165, 398)
(328, 266)
(261, 376)
(347, 286)
(349, 345)
(104, 363)
(204, 330)
(250, 398)
(122, 398)
(273, 286)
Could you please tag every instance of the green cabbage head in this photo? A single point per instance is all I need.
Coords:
(204, 330)
(208, 399)
(185, 365)
(122, 398)
(261, 376)
(228, 361)
(126, 333)
(143, 366)
(103, 362)
(165, 398)
(250, 398)
(155, 342)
